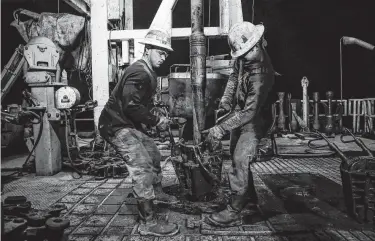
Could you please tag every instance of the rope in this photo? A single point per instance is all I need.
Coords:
(68, 148)
(37, 139)
(341, 87)
(252, 11)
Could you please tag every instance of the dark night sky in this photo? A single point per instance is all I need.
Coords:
(303, 38)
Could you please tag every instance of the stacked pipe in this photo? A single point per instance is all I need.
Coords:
(304, 121)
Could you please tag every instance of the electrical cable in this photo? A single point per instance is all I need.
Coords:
(36, 141)
(269, 132)
(293, 154)
(307, 154)
(252, 11)
(35, 115)
(341, 83)
(68, 149)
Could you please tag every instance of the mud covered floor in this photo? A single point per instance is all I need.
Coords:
(209, 203)
(313, 195)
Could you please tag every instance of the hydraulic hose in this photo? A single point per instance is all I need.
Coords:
(67, 148)
(37, 139)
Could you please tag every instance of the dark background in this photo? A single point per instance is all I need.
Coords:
(303, 39)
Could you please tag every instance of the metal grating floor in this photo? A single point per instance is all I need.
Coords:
(101, 210)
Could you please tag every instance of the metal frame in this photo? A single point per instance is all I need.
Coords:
(230, 13)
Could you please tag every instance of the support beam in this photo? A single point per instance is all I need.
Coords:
(177, 33)
(224, 16)
(235, 12)
(99, 48)
(82, 6)
(128, 25)
(128, 14)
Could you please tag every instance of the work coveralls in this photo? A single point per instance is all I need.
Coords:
(121, 122)
(246, 97)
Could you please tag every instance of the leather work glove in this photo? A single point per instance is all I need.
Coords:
(163, 123)
(225, 106)
(220, 112)
(215, 134)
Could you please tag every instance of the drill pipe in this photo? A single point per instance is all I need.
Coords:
(198, 68)
(305, 84)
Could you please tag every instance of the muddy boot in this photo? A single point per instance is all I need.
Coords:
(162, 196)
(149, 225)
(231, 216)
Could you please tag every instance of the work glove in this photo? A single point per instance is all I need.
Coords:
(215, 134)
(163, 124)
(220, 112)
(225, 107)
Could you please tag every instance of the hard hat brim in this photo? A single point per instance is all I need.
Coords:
(258, 32)
(164, 46)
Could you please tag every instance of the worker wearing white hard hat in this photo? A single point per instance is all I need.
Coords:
(121, 124)
(248, 86)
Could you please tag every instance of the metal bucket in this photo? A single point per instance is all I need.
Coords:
(358, 182)
(180, 94)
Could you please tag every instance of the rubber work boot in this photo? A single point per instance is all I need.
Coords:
(231, 216)
(149, 225)
(162, 196)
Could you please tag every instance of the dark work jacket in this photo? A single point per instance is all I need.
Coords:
(128, 104)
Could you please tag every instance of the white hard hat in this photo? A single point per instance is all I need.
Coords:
(159, 38)
(243, 36)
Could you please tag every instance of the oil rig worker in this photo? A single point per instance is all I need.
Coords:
(120, 124)
(246, 91)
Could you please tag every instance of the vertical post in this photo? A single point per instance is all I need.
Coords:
(128, 14)
(281, 119)
(235, 12)
(316, 124)
(224, 16)
(293, 121)
(48, 151)
(306, 102)
(128, 24)
(329, 116)
(99, 46)
(198, 68)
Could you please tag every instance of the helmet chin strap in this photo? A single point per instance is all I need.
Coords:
(146, 58)
(264, 42)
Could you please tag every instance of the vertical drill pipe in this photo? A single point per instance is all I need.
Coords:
(198, 68)
(316, 124)
(281, 120)
(329, 116)
(293, 122)
(305, 84)
(289, 111)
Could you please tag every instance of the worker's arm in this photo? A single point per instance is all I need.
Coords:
(257, 92)
(230, 89)
(135, 88)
